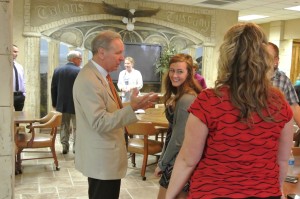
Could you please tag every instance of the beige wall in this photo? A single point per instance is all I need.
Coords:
(18, 28)
(292, 29)
(7, 159)
(265, 27)
(282, 33)
(225, 19)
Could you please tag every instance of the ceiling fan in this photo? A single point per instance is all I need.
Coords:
(129, 15)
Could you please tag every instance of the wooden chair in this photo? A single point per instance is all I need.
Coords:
(140, 143)
(41, 134)
(296, 138)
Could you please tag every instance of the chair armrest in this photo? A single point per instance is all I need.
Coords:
(37, 125)
(20, 129)
(47, 124)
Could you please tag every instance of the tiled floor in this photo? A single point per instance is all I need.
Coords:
(40, 180)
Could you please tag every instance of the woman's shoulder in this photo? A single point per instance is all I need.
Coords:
(208, 92)
(188, 96)
(277, 94)
(210, 95)
(186, 99)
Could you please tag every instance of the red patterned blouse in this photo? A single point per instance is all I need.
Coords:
(237, 161)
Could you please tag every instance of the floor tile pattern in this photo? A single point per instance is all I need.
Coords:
(39, 179)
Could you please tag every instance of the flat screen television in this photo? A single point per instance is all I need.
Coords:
(145, 57)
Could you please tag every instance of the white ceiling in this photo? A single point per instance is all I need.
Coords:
(272, 8)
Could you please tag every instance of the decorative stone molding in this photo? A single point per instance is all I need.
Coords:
(41, 16)
(72, 36)
(32, 34)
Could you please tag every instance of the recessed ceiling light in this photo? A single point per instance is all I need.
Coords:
(296, 8)
(251, 17)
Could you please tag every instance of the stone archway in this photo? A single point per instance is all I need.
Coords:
(80, 34)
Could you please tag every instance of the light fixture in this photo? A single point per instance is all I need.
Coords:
(125, 20)
(129, 23)
(130, 26)
(251, 17)
(296, 8)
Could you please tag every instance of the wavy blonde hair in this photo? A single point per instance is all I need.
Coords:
(245, 67)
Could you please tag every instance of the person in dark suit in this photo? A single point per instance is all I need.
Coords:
(62, 96)
(18, 81)
(101, 153)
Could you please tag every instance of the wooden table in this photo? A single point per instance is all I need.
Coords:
(290, 188)
(21, 117)
(154, 115)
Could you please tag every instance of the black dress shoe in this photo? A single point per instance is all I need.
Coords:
(65, 149)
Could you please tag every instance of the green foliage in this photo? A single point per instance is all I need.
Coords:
(163, 64)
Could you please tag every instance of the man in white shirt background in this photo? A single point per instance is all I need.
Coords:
(129, 79)
(18, 82)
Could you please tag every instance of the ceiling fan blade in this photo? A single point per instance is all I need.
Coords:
(146, 13)
(110, 9)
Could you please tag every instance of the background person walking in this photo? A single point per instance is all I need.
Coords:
(62, 97)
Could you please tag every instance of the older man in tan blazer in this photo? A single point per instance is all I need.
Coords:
(100, 145)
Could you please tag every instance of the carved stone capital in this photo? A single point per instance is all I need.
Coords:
(32, 34)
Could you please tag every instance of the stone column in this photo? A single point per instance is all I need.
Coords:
(32, 73)
(53, 62)
(209, 71)
(85, 57)
(276, 32)
(192, 52)
(276, 36)
(7, 152)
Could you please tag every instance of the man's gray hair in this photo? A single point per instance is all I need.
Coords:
(73, 54)
(103, 40)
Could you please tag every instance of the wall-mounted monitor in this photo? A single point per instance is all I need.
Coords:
(145, 57)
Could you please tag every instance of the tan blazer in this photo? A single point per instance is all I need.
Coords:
(100, 144)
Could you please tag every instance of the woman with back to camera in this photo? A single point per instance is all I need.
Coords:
(129, 79)
(239, 134)
(181, 91)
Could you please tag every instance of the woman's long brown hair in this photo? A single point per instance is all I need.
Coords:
(189, 86)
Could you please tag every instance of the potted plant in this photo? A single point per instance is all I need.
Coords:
(163, 63)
